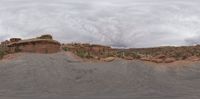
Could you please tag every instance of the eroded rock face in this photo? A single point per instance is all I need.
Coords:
(43, 44)
(36, 46)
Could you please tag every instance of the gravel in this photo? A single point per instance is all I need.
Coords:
(57, 76)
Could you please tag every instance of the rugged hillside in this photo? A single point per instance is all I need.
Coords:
(157, 54)
(58, 76)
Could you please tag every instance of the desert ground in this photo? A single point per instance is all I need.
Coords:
(60, 76)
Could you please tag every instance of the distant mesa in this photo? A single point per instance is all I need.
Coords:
(42, 44)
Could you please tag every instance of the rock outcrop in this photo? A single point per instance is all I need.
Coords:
(108, 59)
(43, 44)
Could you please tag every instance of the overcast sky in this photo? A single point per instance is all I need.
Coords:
(119, 23)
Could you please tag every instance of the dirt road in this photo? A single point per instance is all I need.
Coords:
(57, 76)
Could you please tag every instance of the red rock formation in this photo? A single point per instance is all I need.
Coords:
(44, 44)
(36, 46)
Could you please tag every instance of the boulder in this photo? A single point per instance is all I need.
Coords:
(128, 58)
(169, 60)
(157, 60)
(145, 59)
(108, 59)
(193, 58)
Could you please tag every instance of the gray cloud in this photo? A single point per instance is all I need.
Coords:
(193, 40)
(121, 23)
(3, 37)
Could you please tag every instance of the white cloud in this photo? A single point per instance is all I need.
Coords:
(127, 23)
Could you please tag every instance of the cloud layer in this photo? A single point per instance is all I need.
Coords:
(119, 23)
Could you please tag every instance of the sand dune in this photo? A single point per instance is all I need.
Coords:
(57, 76)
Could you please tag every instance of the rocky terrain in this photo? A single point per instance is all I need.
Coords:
(61, 76)
(166, 54)
(89, 71)
(46, 44)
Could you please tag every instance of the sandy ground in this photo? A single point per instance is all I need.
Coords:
(58, 76)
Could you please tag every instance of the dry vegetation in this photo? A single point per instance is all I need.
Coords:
(2, 53)
(87, 50)
(158, 55)
(99, 52)
(179, 53)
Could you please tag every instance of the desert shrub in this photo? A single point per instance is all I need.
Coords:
(2, 53)
(123, 54)
(111, 54)
(133, 54)
(120, 54)
(180, 55)
(184, 57)
(83, 54)
(66, 49)
(198, 53)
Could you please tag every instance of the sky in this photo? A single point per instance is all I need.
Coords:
(117, 23)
